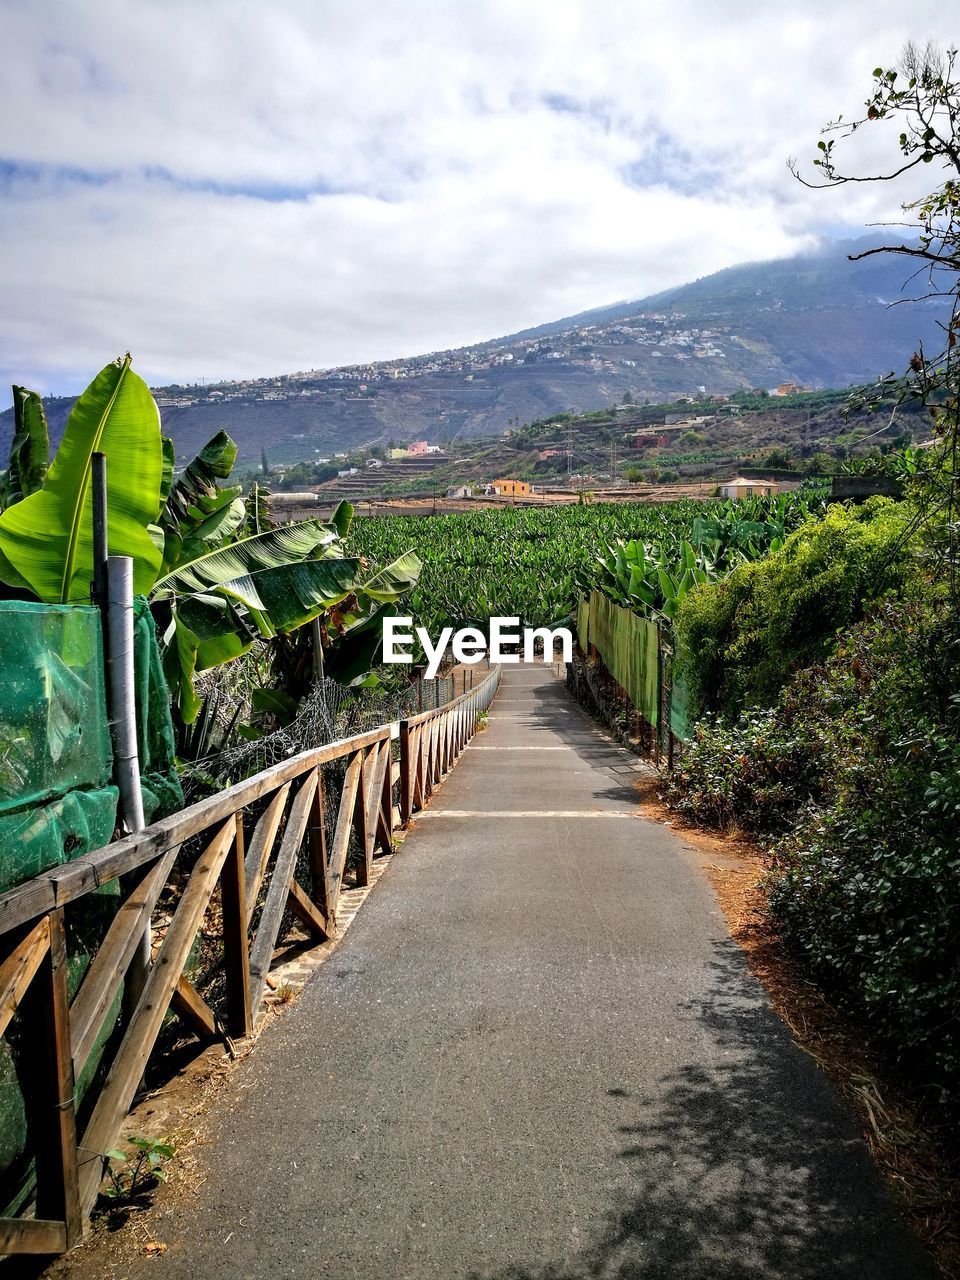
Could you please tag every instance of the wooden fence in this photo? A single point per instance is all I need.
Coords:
(252, 838)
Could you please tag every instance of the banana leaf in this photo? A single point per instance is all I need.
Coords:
(399, 577)
(353, 656)
(274, 548)
(204, 632)
(169, 463)
(47, 537)
(199, 515)
(285, 597)
(342, 518)
(29, 449)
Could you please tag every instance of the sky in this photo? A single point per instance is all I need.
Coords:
(231, 189)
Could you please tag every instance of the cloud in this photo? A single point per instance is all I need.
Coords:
(233, 188)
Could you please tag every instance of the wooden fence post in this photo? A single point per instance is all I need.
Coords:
(406, 774)
(55, 1127)
(233, 896)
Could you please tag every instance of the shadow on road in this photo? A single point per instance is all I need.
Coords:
(750, 1171)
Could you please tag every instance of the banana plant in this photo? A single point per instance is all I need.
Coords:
(679, 574)
(46, 538)
(652, 580)
(29, 449)
(199, 514)
(219, 577)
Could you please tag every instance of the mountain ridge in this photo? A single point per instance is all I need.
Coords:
(813, 319)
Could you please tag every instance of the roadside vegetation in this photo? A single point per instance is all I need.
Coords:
(223, 583)
(826, 677)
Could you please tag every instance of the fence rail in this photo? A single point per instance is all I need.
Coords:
(255, 839)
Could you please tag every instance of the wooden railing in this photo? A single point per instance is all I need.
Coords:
(248, 841)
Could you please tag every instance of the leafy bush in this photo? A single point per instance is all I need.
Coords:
(856, 774)
(868, 887)
(740, 640)
(753, 775)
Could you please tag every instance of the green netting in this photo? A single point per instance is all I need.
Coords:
(679, 707)
(630, 651)
(54, 734)
(34, 839)
(86, 922)
(583, 623)
(57, 802)
(56, 799)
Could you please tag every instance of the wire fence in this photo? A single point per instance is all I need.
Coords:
(328, 712)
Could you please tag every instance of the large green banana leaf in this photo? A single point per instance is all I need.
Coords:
(342, 517)
(385, 587)
(47, 538)
(204, 632)
(284, 598)
(288, 544)
(29, 449)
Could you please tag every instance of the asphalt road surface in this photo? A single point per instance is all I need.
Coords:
(537, 1055)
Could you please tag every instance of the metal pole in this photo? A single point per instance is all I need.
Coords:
(317, 649)
(98, 484)
(123, 731)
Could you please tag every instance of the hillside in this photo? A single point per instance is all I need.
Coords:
(816, 320)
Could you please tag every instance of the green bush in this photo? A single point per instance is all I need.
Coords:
(753, 775)
(740, 640)
(856, 774)
(868, 887)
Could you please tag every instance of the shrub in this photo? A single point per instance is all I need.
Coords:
(740, 640)
(868, 886)
(753, 775)
(856, 776)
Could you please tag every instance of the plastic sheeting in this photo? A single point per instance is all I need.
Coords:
(629, 648)
(56, 797)
(56, 800)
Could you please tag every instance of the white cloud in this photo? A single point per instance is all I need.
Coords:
(233, 187)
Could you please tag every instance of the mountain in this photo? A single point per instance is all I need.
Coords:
(816, 319)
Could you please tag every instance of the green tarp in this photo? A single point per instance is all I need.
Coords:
(679, 707)
(160, 785)
(57, 801)
(629, 649)
(56, 797)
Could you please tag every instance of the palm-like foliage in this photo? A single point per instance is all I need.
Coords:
(29, 449)
(46, 539)
(219, 576)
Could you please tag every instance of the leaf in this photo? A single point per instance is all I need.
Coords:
(29, 449)
(47, 538)
(115, 1155)
(279, 704)
(342, 518)
(268, 550)
(399, 577)
(179, 654)
(199, 515)
(169, 465)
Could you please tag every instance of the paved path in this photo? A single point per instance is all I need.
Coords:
(535, 1056)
